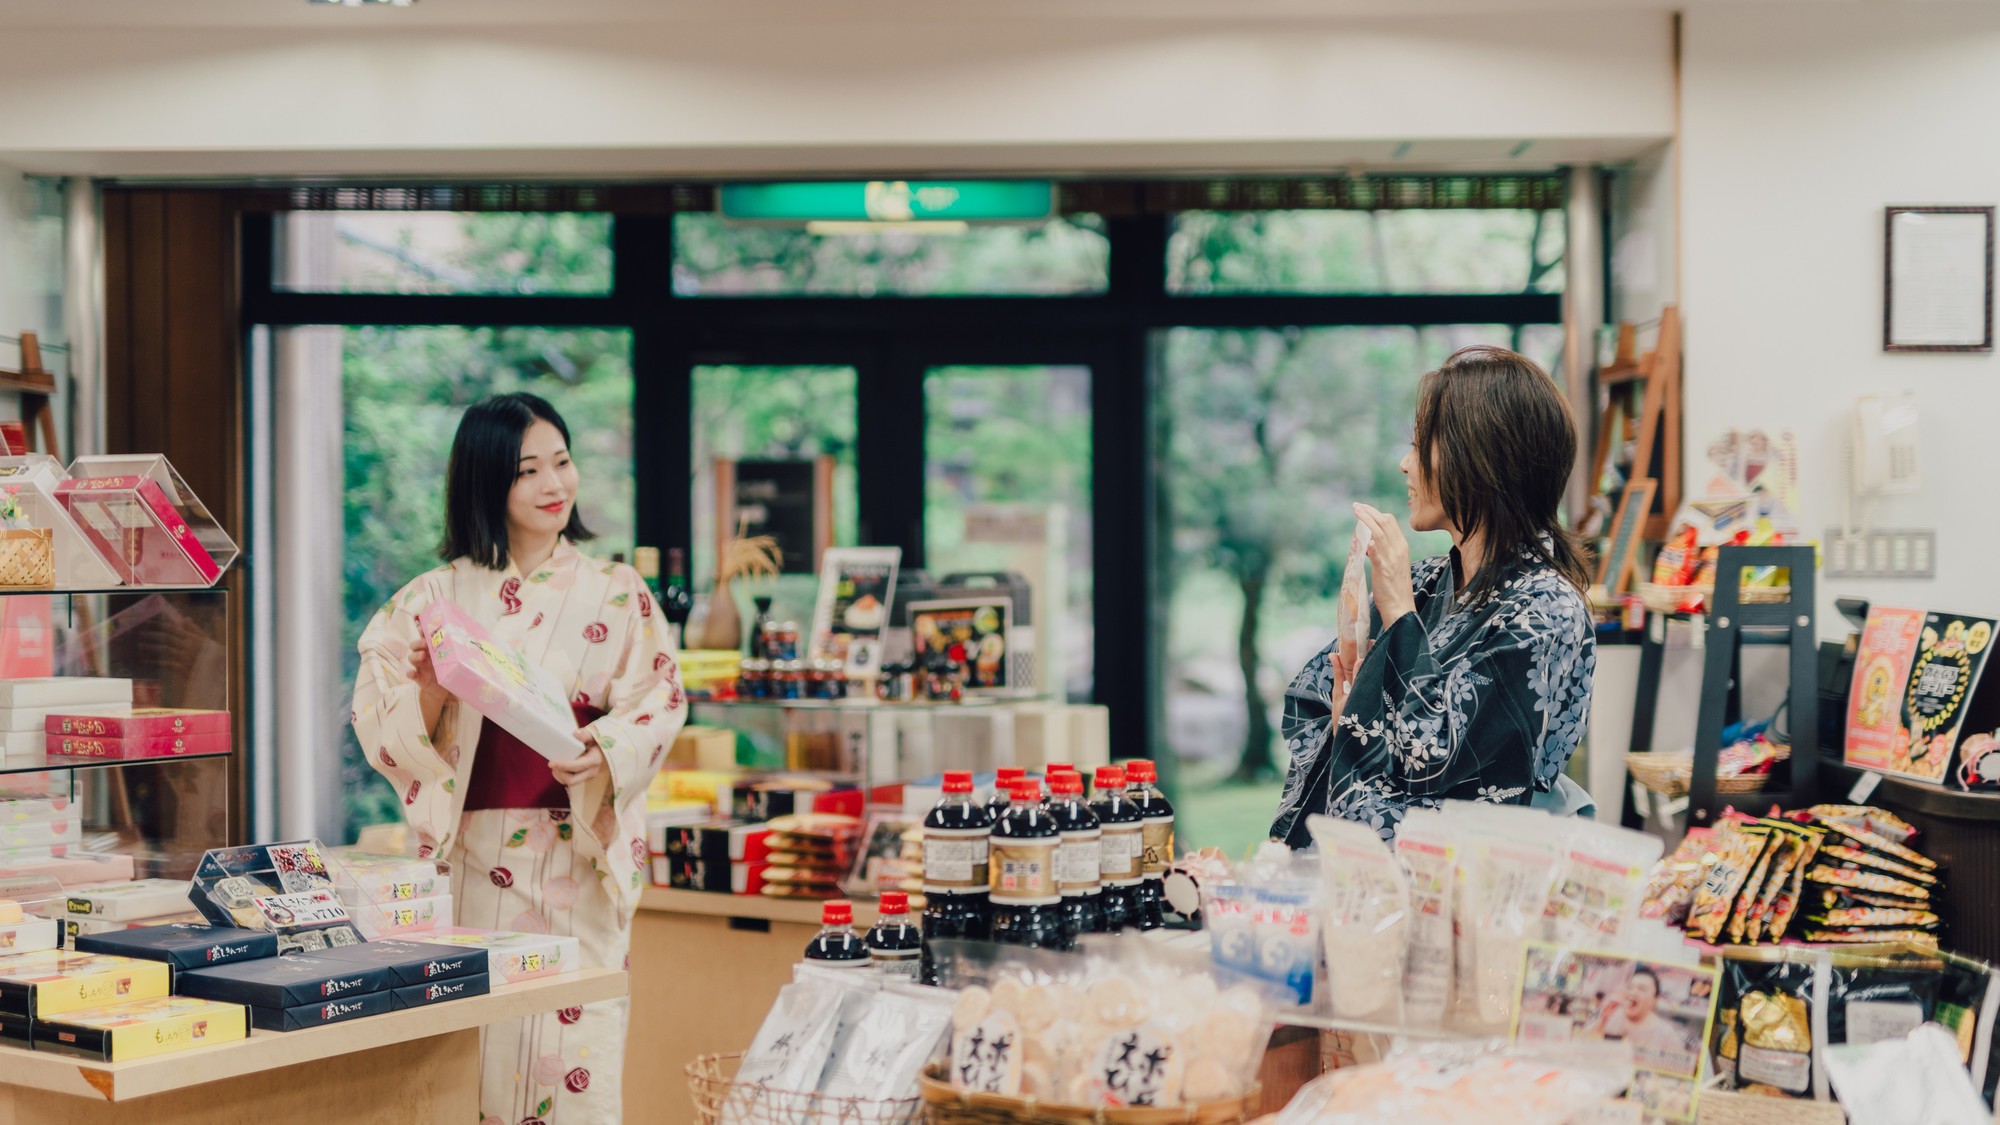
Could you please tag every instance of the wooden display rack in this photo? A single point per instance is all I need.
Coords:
(34, 385)
(1640, 402)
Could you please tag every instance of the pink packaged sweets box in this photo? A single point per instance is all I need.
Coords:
(498, 682)
(169, 746)
(138, 531)
(141, 722)
(516, 957)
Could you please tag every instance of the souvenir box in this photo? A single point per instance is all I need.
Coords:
(307, 1016)
(62, 831)
(77, 927)
(45, 693)
(28, 810)
(16, 1031)
(30, 724)
(182, 945)
(116, 902)
(143, 1029)
(53, 982)
(285, 982)
(29, 935)
(138, 723)
(415, 962)
(516, 957)
(362, 877)
(437, 991)
(165, 746)
(284, 888)
(698, 856)
(145, 521)
(498, 682)
(32, 480)
(413, 917)
(74, 869)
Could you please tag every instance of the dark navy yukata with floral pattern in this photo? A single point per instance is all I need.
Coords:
(1473, 703)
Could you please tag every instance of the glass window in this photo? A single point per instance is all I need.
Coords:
(1414, 251)
(1010, 447)
(1265, 438)
(1060, 257)
(403, 391)
(433, 252)
(787, 413)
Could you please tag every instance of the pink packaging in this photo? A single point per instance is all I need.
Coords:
(144, 722)
(44, 834)
(167, 747)
(138, 532)
(498, 682)
(75, 870)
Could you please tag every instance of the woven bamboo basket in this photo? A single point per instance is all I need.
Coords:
(27, 558)
(718, 1097)
(1670, 773)
(945, 1105)
(1667, 599)
(1731, 1107)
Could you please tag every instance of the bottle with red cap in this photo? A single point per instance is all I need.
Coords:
(837, 945)
(1027, 900)
(1003, 780)
(1079, 867)
(957, 835)
(895, 945)
(1121, 848)
(1157, 816)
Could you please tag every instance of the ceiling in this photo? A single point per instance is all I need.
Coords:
(23, 14)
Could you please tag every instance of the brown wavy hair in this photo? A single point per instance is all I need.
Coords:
(1496, 442)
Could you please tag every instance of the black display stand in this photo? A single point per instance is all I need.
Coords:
(1731, 625)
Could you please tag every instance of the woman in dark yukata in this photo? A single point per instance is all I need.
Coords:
(1477, 686)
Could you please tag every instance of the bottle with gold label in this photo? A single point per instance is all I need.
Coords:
(1120, 848)
(1027, 899)
(1080, 869)
(957, 833)
(1157, 816)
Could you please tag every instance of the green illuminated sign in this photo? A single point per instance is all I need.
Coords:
(890, 201)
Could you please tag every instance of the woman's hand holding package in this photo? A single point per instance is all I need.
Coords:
(1389, 557)
(584, 766)
(432, 694)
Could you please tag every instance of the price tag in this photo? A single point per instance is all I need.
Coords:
(1864, 787)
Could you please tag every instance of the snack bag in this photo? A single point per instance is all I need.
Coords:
(1352, 618)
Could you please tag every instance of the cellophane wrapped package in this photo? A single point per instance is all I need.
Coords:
(497, 681)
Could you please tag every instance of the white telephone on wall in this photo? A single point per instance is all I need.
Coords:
(1886, 443)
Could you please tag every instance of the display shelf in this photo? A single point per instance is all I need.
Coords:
(266, 1051)
(97, 591)
(49, 763)
(707, 904)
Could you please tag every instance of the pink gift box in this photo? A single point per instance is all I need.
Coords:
(143, 722)
(495, 680)
(137, 530)
(167, 747)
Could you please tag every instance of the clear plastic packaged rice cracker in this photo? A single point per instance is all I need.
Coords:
(1365, 921)
(1351, 618)
(797, 1038)
(1600, 884)
(1506, 873)
(1267, 924)
(896, 1032)
(1428, 849)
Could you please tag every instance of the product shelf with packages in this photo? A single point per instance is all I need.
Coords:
(115, 730)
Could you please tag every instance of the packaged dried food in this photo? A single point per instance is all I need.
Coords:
(1428, 850)
(1738, 850)
(1365, 922)
(1509, 866)
(1351, 617)
(1774, 1039)
(1739, 912)
(1600, 884)
(1882, 822)
(1869, 840)
(1864, 881)
(1868, 937)
(1873, 916)
(1851, 856)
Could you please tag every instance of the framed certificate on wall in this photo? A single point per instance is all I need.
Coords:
(1937, 291)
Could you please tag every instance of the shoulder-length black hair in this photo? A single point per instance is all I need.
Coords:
(485, 461)
(1497, 443)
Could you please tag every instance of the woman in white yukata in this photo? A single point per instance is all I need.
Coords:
(536, 846)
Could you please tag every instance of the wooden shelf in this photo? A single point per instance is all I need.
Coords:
(270, 1050)
(803, 911)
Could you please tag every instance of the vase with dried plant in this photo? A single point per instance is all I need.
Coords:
(751, 558)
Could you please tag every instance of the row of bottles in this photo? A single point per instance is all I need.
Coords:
(676, 601)
(893, 945)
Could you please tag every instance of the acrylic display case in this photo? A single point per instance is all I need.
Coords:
(145, 521)
(31, 482)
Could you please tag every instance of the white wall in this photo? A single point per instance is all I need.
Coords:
(748, 97)
(1800, 125)
(31, 272)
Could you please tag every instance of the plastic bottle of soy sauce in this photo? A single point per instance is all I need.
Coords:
(895, 945)
(957, 835)
(837, 946)
(1079, 865)
(1121, 849)
(1157, 816)
(1003, 781)
(1027, 901)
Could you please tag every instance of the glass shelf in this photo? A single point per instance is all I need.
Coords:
(60, 592)
(51, 763)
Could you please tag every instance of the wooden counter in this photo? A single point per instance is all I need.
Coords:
(705, 969)
(421, 1064)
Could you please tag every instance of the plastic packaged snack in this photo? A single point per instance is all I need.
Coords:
(1365, 920)
(1861, 880)
(1738, 848)
(797, 1037)
(1869, 937)
(897, 1031)
(1861, 837)
(1774, 1032)
(1881, 822)
(1428, 850)
(1509, 870)
(1777, 840)
(1461, 1084)
(1600, 884)
(1873, 917)
(1785, 856)
(1351, 618)
(1786, 905)
(1848, 855)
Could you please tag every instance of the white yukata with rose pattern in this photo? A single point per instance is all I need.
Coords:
(576, 872)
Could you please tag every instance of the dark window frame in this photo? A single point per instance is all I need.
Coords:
(891, 341)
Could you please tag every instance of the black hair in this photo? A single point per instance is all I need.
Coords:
(1649, 974)
(485, 462)
(1496, 443)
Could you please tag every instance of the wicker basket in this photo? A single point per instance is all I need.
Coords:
(27, 558)
(1731, 1107)
(717, 1096)
(1667, 599)
(944, 1105)
(1671, 773)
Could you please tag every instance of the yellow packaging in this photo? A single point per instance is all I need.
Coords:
(703, 748)
(144, 1028)
(56, 981)
(711, 787)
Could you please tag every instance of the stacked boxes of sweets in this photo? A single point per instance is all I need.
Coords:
(28, 908)
(41, 836)
(393, 896)
(107, 907)
(726, 851)
(809, 854)
(515, 957)
(1834, 874)
(147, 732)
(27, 704)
